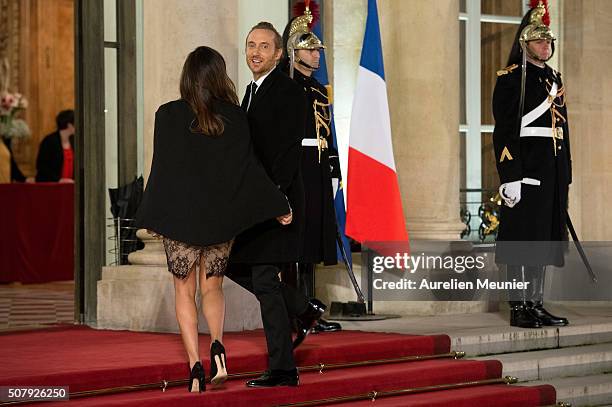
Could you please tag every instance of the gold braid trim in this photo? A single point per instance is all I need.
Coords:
(322, 120)
(556, 116)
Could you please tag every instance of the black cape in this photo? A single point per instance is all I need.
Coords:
(205, 190)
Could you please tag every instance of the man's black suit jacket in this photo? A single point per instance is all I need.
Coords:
(276, 119)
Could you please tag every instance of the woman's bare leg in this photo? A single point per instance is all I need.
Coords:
(187, 314)
(213, 303)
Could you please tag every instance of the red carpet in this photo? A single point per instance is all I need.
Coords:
(87, 359)
(499, 395)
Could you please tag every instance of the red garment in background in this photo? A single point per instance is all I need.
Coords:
(36, 232)
(68, 167)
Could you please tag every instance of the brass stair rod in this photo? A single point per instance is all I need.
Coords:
(164, 384)
(322, 367)
(373, 395)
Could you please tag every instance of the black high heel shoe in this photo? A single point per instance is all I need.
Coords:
(218, 372)
(197, 378)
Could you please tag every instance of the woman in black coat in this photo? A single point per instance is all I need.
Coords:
(205, 187)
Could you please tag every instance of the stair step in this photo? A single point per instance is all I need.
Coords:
(482, 396)
(489, 333)
(119, 358)
(507, 339)
(552, 363)
(594, 390)
(313, 385)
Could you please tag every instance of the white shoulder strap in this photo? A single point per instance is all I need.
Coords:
(543, 107)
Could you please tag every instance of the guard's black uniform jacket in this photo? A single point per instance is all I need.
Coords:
(540, 158)
(319, 165)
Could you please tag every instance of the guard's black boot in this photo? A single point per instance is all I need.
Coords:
(522, 317)
(326, 326)
(307, 320)
(545, 317)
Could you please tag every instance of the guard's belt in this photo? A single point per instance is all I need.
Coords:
(310, 142)
(542, 132)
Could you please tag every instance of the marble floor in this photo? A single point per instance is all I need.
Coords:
(31, 306)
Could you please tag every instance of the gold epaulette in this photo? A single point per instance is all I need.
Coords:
(507, 69)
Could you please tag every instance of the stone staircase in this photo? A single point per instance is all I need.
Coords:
(576, 360)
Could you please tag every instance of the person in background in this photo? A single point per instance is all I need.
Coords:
(534, 167)
(15, 173)
(320, 162)
(55, 161)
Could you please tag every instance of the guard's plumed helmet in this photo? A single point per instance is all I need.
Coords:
(538, 27)
(300, 35)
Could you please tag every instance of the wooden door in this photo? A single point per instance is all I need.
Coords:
(46, 69)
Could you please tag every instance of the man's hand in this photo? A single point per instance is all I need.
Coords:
(511, 193)
(285, 219)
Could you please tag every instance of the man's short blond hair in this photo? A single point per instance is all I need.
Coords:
(264, 25)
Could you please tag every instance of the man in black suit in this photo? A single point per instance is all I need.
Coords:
(276, 108)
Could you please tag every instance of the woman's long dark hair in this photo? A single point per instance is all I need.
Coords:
(203, 80)
(516, 53)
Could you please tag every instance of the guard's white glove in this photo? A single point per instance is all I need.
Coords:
(510, 193)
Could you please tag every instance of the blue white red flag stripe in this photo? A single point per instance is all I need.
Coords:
(374, 205)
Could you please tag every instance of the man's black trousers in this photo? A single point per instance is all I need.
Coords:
(279, 303)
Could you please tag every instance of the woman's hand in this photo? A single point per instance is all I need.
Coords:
(285, 219)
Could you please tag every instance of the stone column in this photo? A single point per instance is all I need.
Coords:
(172, 29)
(421, 53)
(585, 65)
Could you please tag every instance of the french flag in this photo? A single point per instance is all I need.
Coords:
(374, 205)
(321, 76)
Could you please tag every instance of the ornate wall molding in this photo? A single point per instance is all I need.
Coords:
(10, 38)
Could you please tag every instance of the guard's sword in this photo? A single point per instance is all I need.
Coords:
(585, 260)
(349, 268)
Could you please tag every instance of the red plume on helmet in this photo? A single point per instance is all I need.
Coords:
(534, 3)
(299, 7)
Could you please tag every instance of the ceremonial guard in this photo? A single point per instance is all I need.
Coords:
(320, 162)
(532, 149)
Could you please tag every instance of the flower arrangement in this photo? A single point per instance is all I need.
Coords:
(11, 104)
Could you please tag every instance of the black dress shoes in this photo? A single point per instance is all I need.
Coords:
(545, 317)
(325, 326)
(307, 320)
(273, 378)
(521, 316)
